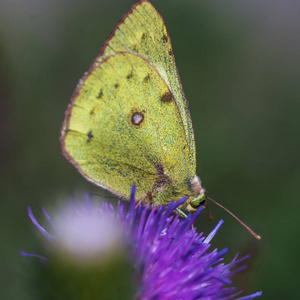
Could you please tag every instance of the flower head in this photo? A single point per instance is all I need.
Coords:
(170, 259)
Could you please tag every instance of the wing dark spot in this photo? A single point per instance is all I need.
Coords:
(170, 52)
(130, 75)
(100, 95)
(146, 79)
(160, 183)
(134, 48)
(165, 38)
(143, 37)
(166, 97)
(137, 118)
(116, 85)
(92, 112)
(162, 177)
(90, 136)
(159, 168)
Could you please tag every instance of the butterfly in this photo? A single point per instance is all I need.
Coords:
(129, 122)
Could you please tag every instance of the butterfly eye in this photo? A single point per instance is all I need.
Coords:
(197, 201)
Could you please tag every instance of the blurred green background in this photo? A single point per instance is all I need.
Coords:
(239, 64)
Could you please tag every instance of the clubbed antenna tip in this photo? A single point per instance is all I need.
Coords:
(258, 237)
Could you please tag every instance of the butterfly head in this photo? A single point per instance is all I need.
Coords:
(199, 192)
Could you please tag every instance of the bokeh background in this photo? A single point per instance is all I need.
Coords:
(240, 67)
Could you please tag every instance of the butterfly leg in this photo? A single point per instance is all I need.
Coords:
(183, 214)
(209, 213)
(149, 194)
(180, 212)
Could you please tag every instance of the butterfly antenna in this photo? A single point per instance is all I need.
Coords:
(209, 213)
(258, 237)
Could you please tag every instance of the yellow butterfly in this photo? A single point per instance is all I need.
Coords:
(129, 122)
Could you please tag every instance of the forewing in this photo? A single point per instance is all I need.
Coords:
(142, 31)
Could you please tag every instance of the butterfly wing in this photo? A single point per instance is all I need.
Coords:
(142, 31)
(123, 126)
(134, 79)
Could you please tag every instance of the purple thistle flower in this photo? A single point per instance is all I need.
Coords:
(171, 260)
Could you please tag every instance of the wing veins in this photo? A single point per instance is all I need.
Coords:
(118, 164)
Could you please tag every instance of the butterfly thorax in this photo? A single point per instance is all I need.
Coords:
(167, 190)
